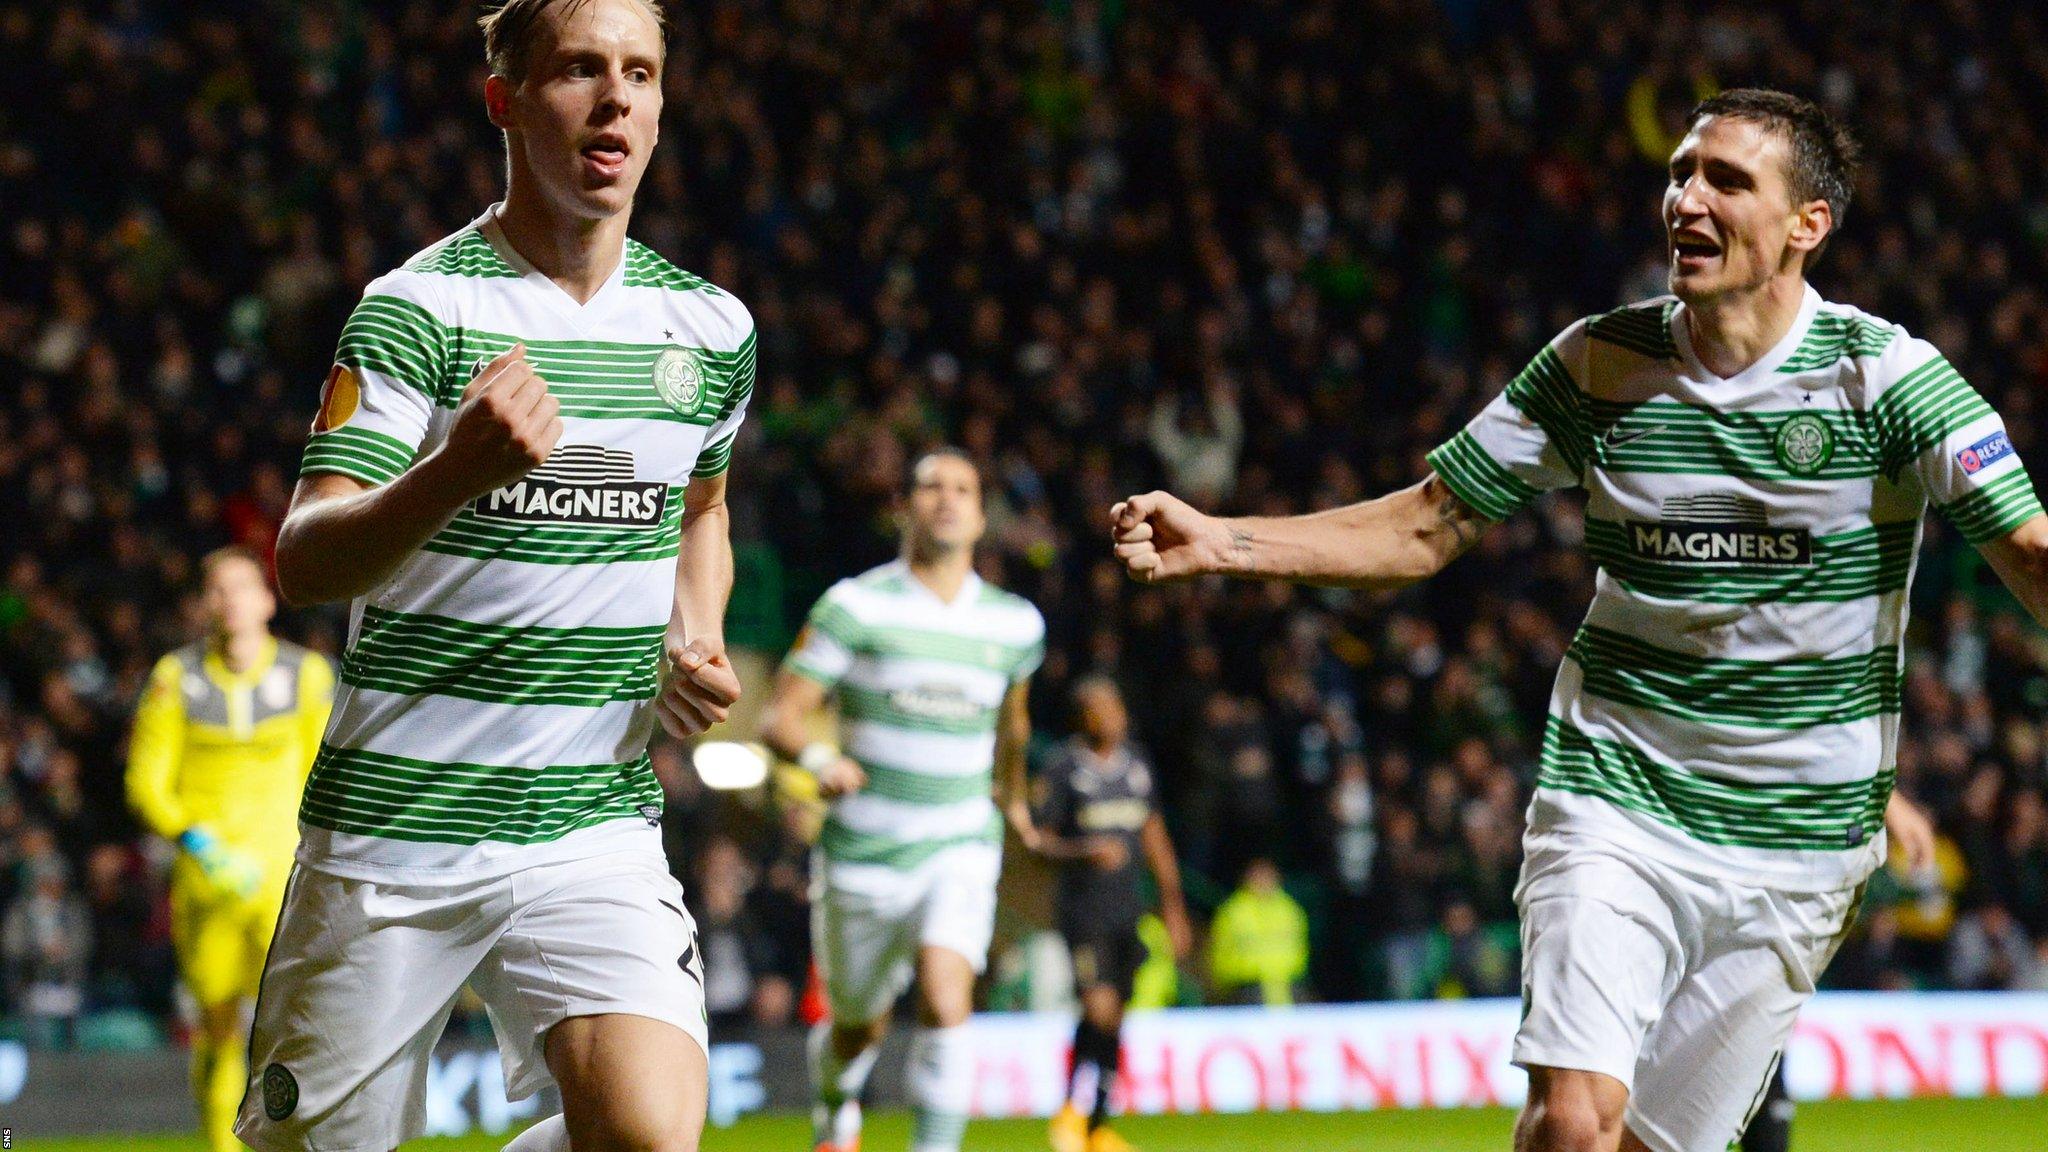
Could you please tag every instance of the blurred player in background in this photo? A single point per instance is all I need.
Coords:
(518, 475)
(1098, 819)
(1721, 745)
(223, 739)
(931, 669)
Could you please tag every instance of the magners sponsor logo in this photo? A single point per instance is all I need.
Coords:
(1719, 531)
(580, 484)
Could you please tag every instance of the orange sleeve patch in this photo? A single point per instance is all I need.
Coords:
(339, 398)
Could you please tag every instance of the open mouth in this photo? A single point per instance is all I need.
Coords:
(606, 153)
(1690, 249)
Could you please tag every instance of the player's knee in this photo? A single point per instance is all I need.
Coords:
(850, 1040)
(1103, 1007)
(944, 1009)
(1565, 1127)
(619, 1132)
(1566, 1114)
(221, 1023)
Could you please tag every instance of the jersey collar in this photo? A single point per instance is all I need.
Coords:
(488, 227)
(217, 665)
(1766, 365)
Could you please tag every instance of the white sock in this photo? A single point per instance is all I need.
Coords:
(836, 1087)
(941, 1088)
(549, 1135)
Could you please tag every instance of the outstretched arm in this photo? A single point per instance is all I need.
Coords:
(2020, 558)
(1391, 542)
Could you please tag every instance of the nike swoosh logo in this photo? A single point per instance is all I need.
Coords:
(1616, 437)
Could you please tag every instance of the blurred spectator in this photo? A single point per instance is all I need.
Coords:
(1258, 943)
(46, 943)
(1470, 958)
(741, 984)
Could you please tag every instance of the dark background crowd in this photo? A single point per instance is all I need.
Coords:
(1265, 253)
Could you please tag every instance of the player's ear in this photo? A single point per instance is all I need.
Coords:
(498, 101)
(1812, 222)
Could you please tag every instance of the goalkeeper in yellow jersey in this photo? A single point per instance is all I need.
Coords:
(223, 739)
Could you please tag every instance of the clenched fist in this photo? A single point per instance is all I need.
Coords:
(1159, 537)
(505, 426)
(699, 686)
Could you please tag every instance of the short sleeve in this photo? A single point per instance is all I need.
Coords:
(825, 647)
(1055, 807)
(1534, 437)
(380, 394)
(1032, 654)
(1932, 424)
(738, 368)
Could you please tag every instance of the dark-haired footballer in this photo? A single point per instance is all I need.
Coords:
(1098, 819)
(1722, 740)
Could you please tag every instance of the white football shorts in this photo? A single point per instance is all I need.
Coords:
(868, 922)
(362, 975)
(1682, 987)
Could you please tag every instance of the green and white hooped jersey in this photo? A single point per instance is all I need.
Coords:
(1732, 701)
(920, 684)
(497, 694)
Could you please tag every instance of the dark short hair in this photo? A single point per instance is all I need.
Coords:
(1824, 156)
(508, 32)
(942, 452)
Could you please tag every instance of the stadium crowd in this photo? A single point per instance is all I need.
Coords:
(1265, 253)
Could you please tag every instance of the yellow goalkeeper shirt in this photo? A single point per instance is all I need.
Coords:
(227, 750)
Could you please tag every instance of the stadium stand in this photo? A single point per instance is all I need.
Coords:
(1267, 251)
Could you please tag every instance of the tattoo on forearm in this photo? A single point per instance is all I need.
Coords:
(1452, 513)
(1241, 544)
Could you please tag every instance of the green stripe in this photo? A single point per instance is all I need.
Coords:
(397, 339)
(481, 538)
(1478, 479)
(1995, 509)
(467, 253)
(1783, 694)
(1846, 566)
(1920, 411)
(880, 706)
(838, 623)
(1644, 329)
(417, 654)
(842, 845)
(714, 459)
(901, 643)
(914, 787)
(396, 797)
(1691, 439)
(1546, 393)
(1833, 337)
(371, 457)
(607, 380)
(1713, 809)
(906, 643)
(646, 268)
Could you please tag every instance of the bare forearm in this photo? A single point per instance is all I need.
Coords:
(1386, 543)
(342, 540)
(2021, 561)
(704, 573)
(1165, 867)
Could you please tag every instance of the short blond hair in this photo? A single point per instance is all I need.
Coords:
(220, 558)
(508, 32)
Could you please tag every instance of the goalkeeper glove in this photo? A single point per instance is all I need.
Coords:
(220, 864)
